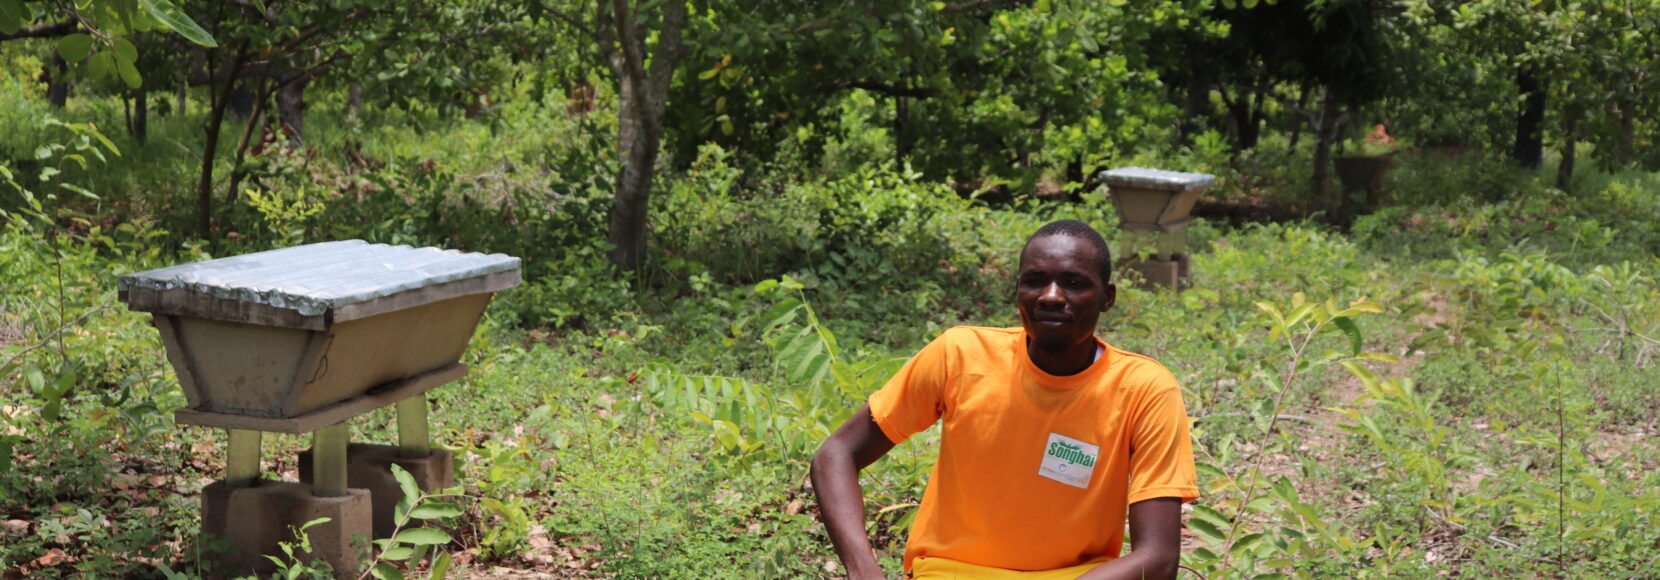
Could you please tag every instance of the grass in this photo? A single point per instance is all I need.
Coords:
(660, 427)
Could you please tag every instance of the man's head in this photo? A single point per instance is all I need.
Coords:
(1063, 286)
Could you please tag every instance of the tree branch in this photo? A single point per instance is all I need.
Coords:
(54, 334)
(670, 50)
(64, 28)
(623, 20)
(605, 34)
(573, 23)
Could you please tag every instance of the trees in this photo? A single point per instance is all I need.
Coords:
(1333, 48)
(95, 39)
(641, 45)
(278, 50)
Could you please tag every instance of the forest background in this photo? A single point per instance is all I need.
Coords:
(736, 218)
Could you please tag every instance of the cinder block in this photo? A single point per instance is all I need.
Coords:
(1155, 273)
(253, 520)
(1184, 267)
(370, 467)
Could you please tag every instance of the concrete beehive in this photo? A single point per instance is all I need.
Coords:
(294, 339)
(1153, 207)
(1154, 199)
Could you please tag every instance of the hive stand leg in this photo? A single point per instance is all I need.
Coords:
(369, 467)
(242, 463)
(414, 441)
(1131, 243)
(328, 459)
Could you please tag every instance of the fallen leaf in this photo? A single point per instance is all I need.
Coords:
(17, 527)
(794, 507)
(52, 558)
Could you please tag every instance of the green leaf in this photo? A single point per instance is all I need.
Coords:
(385, 571)
(440, 567)
(1348, 327)
(128, 72)
(423, 537)
(75, 47)
(99, 65)
(13, 16)
(170, 15)
(432, 510)
(1206, 529)
(1379, 357)
(1243, 545)
(406, 482)
(125, 50)
(80, 190)
(1272, 311)
(396, 553)
(1361, 372)
(6, 454)
(107, 144)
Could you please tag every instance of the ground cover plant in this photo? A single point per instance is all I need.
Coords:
(1459, 381)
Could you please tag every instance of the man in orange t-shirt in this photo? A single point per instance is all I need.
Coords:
(1050, 437)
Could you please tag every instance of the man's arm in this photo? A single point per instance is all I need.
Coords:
(858, 443)
(1155, 541)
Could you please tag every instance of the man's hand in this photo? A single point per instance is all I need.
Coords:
(858, 443)
(1155, 540)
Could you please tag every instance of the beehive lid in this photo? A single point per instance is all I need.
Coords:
(316, 285)
(1156, 179)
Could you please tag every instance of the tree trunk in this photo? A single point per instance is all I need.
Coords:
(631, 207)
(1530, 142)
(354, 100)
(141, 116)
(256, 121)
(1244, 114)
(57, 91)
(1297, 125)
(642, 94)
(1195, 106)
(901, 145)
(204, 189)
(1626, 150)
(291, 110)
(1570, 147)
(241, 99)
(1325, 132)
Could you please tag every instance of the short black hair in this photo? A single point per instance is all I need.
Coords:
(1080, 230)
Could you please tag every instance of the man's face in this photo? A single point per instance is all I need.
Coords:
(1060, 293)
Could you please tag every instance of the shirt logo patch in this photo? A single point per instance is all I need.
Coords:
(1069, 460)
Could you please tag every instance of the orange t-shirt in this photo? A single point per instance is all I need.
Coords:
(1035, 471)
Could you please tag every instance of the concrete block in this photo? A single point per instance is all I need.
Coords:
(370, 467)
(1155, 273)
(253, 520)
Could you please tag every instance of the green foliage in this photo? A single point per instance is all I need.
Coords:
(659, 425)
(294, 563)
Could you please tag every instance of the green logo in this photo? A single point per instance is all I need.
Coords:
(1070, 454)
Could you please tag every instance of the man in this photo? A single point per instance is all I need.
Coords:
(1050, 435)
